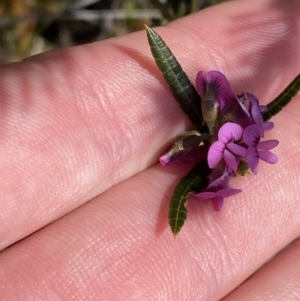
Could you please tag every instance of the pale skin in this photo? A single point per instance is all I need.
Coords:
(84, 200)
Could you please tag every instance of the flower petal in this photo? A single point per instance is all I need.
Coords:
(201, 83)
(218, 179)
(215, 154)
(219, 83)
(267, 145)
(263, 108)
(236, 149)
(215, 86)
(268, 157)
(218, 203)
(206, 195)
(252, 135)
(256, 113)
(252, 158)
(267, 126)
(230, 132)
(231, 160)
(225, 193)
(166, 159)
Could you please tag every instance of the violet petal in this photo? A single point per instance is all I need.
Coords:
(215, 154)
(255, 109)
(268, 157)
(267, 145)
(231, 160)
(236, 149)
(216, 84)
(263, 108)
(252, 158)
(217, 179)
(230, 132)
(252, 135)
(206, 195)
(224, 193)
(267, 126)
(218, 203)
(165, 160)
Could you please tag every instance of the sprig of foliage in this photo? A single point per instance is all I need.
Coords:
(190, 102)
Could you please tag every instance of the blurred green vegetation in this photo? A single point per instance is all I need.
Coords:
(28, 27)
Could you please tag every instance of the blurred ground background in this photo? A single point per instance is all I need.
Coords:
(28, 27)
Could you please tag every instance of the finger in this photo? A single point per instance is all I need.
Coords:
(278, 280)
(74, 123)
(119, 247)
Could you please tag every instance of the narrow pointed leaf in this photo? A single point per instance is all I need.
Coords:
(275, 106)
(181, 87)
(195, 181)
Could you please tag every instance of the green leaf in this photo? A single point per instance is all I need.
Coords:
(181, 87)
(195, 181)
(275, 106)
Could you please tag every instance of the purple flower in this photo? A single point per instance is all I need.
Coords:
(236, 126)
(256, 112)
(218, 189)
(216, 94)
(246, 122)
(258, 150)
(254, 109)
(225, 148)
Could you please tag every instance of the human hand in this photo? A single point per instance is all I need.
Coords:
(80, 131)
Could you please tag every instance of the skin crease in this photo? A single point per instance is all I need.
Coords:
(83, 201)
(283, 269)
